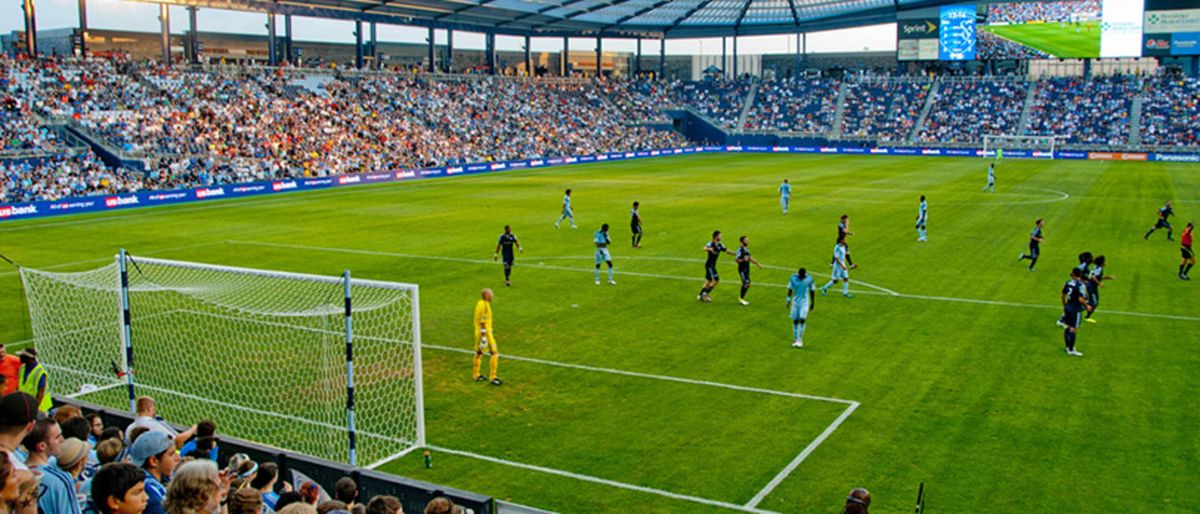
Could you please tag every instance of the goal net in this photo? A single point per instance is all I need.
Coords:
(264, 354)
(1042, 146)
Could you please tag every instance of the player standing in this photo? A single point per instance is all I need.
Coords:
(1074, 303)
(843, 231)
(635, 225)
(566, 210)
(1185, 248)
(785, 195)
(801, 299)
(743, 259)
(991, 185)
(712, 250)
(1095, 280)
(841, 271)
(922, 217)
(505, 247)
(1035, 244)
(485, 339)
(1165, 212)
(602, 255)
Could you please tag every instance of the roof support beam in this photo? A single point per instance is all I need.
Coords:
(639, 12)
(594, 8)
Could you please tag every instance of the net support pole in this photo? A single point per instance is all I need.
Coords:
(349, 368)
(418, 381)
(126, 332)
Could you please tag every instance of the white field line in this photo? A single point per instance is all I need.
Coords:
(882, 292)
(787, 470)
(601, 481)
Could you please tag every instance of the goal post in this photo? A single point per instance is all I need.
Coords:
(328, 366)
(1038, 143)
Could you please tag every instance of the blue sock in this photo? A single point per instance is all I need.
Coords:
(800, 330)
(828, 285)
(795, 330)
(846, 287)
(610, 272)
(597, 273)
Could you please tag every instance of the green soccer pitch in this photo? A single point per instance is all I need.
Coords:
(945, 368)
(1058, 41)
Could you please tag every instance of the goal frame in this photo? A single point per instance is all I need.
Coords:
(126, 319)
(1036, 141)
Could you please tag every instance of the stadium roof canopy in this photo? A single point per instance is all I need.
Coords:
(591, 18)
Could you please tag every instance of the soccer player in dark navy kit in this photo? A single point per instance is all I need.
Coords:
(1095, 280)
(1074, 304)
(505, 248)
(1035, 244)
(843, 231)
(713, 249)
(1163, 222)
(1185, 248)
(744, 260)
(635, 225)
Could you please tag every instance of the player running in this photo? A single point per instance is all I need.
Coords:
(1185, 248)
(1035, 244)
(785, 195)
(843, 231)
(801, 299)
(744, 259)
(1163, 222)
(713, 249)
(505, 247)
(635, 225)
(841, 271)
(922, 217)
(566, 211)
(1095, 280)
(485, 339)
(991, 185)
(1074, 303)
(602, 255)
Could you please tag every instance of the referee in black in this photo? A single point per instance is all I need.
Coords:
(505, 248)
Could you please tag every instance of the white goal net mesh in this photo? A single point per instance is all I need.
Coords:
(263, 354)
(1043, 146)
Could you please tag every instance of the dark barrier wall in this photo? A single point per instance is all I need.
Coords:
(413, 493)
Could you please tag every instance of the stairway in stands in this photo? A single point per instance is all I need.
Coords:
(839, 112)
(1135, 119)
(747, 104)
(930, 99)
(1030, 96)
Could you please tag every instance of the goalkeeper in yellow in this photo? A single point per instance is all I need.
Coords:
(484, 338)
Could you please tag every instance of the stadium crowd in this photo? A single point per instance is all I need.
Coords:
(805, 105)
(59, 461)
(1094, 112)
(966, 110)
(60, 177)
(1060, 11)
(719, 99)
(885, 110)
(1171, 112)
(991, 46)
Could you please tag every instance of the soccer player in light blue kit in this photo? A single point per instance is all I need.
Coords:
(922, 217)
(566, 211)
(801, 298)
(991, 185)
(785, 195)
(602, 255)
(841, 272)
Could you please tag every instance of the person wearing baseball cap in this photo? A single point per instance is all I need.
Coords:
(58, 481)
(33, 380)
(18, 411)
(155, 453)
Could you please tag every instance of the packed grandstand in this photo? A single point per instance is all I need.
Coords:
(199, 127)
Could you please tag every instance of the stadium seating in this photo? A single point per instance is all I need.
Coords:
(965, 110)
(720, 100)
(991, 46)
(1085, 112)
(804, 105)
(1171, 112)
(1025, 12)
(57, 178)
(883, 110)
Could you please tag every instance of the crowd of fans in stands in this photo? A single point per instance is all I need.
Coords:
(1092, 111)
(1060, 11)
(62, 462)
(991, 46)
(805, 105)
(885, 110)
(966, 110)
(201, 128)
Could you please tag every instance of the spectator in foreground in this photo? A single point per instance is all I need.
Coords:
(72, 458)
(286, 500)
(264, 483)
(385, 505)
(27, 493)
(8, 485)
(155, 453)
(66, 412)
(858, 501)
(58, 487)
(33, 380)
(17, 415)
(204, 445)
(245, 501)
(197, 488)
(118, 488)
(332, 507)
(9, 366)
(299, 508)
(147, 417)
(442, 505)
(345, 490)
(96, 424)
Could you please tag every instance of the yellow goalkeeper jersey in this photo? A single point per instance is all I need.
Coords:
(483, 318)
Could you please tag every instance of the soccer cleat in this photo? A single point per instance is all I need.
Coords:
(480, 378)
(921, 240)
(556, 225)
(1060, 323)
(1020, 257)
(611, 281)
(824, 291)
(1089, 320)
(507, 283)
(705, 298)
(597, 281)
(496, 381)
(848, 295)
(1030, 268)
(573, 226)
(743, 301)
(1075, 353)
(798, 344)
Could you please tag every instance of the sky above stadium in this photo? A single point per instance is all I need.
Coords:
(143, 17)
